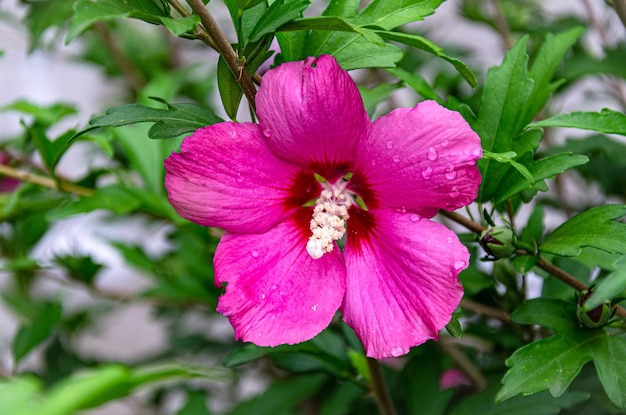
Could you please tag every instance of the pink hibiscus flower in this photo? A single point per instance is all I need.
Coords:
(314, 168)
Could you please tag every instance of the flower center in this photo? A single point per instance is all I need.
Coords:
(329, 219)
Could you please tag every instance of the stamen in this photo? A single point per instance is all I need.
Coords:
(329, 221)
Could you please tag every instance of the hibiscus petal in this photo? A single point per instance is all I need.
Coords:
(421, 159)
(312, 113)
(277, 293)
(402, 284)
(226, 176)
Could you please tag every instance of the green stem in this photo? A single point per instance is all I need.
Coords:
(379, 388)
(223, 47)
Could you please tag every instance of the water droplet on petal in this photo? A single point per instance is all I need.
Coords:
(373, 162)
(239, 179)
(396, 158)
(254, 254)
(262, 296)
(454, 192)
(458, 265)
(389, 145)
(398, 351)
(476, 152)
(450, 172)
(415, 218)
(427, 173)
(314, 307)
(444, 143)
(266, 132)
(432, 154)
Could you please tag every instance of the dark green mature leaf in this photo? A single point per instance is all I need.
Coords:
(230, 90)
(506, 91)
(424, 44)
(542, 403)
(543, 68)
(88, 12)
(279, 13)
(595, 228)
(281, 396)
(333, 23)
(51, 151)
(550, 364)
(609, 355)
(557, 315)
(542, 169)
(33, 333)
(606, 121)
(388, 14)
(343, 8)
(174, 121)
(609, 287)
(195, 405)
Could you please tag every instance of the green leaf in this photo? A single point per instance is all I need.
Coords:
(609, 287)
(352, 51)
(114, 198)
(230, 90)
(195, 405)
(44, 116)
(279, 13)
(388, 14)
(508, 158)
(174, 121)
(606, 121)
(376, 95)
(17, 394)
(541, 169)
(281, 396)
(31, 334)
(332, 23)
(609, 354)
(543, 68)
(504, 97)
(554, 314)
(483, 403)
(343, 8)
(424, 44)
(595, 228)
(417, 82)
(88, 12)
(550, 364)
(50, 151)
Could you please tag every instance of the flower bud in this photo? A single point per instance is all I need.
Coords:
(498, 242)
(597, 317)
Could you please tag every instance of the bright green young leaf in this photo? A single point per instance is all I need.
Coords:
(426, 45)
(343, 8)
(88, 12)
(417, 82)
(279, 13)
(595, 228)
(543, 68)
(541, 169)
(388, 14)
(549, 364)
(31, 334)
(609, 355)
(376, 95)
(506, 91)
(609, 287)
(43, 116)
(195, 405)
(508, 158)
(16, 394)
(607, 121)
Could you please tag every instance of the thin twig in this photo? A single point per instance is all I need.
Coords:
(61, 185)
(541, 263)
(224, 48)
(450, 347)
(379, 388)
(501, 24)
(487, 311)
